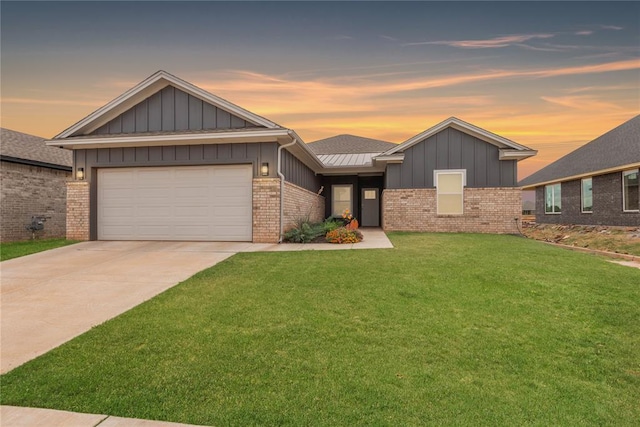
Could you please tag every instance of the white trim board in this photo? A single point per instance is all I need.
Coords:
(148, 87)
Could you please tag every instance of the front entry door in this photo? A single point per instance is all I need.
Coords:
(370, 207)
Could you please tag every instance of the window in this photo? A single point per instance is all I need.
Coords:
(341, 198)
(630, 191)
(552, 199)
(450, 191)
(587, 195)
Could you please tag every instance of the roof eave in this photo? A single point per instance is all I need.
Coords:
(516, 154)
(267, 135)
(385, 158)
(462, 126)
(148, 87)
(582, 175)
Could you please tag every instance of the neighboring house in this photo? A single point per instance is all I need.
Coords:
(33, 183)
(528, 207)
(597, 184)
(169, 161)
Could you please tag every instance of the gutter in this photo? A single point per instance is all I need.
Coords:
(281, 175)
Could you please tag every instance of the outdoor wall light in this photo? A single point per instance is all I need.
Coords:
(80, 174)
(264, 169)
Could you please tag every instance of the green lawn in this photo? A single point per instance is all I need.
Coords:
(445, 329)
(17, 249)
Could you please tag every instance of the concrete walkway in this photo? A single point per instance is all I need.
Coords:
(50, 297)
(15, 416)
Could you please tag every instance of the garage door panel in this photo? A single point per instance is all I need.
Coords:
(175, 203)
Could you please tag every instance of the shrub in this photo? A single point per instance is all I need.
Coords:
(305, 231)
(344, 235)
(331, 224)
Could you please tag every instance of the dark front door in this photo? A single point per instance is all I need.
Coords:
(370, 207)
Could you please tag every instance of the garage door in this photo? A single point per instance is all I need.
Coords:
(175, 203)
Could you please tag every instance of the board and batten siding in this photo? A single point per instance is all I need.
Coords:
(452, 149)
(172, 110)
(180, 155)
(296, 172)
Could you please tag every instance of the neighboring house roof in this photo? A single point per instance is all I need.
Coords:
(30, 149)
(617, 149)
(349, 144)
(508, 148)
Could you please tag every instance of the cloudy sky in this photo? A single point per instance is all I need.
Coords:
(549, 75)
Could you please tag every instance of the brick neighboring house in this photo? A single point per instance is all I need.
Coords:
(167, 160)
(596, 184)
(33, 180)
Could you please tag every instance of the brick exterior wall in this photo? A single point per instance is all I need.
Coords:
(607, 204)
(301, 203)
(27, 191)
(266, 210)
(78, 210)
(486, 210)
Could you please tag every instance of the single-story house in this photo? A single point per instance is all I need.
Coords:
(596, 184)
(167, 160)
(33, 180)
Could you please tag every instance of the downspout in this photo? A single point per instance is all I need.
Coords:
(281, 175)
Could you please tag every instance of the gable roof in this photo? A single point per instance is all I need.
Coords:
(617, 149)
(508, 148)
(24, 148)
(145, 89)
(349, 144)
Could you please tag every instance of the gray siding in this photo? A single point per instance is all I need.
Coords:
(298, 173)
(607, 204)
(172, 110)
(452, 149)
(180, 155)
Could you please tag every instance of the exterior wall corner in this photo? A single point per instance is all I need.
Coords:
(266, 210)
(77, 210)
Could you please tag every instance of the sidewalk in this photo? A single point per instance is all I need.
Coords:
(14, 416)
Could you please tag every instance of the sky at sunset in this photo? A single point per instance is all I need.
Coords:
(549, 75)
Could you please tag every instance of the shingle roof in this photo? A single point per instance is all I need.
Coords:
(349, 144)
(616, 148)
(23, 146)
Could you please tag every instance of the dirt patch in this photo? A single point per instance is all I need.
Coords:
(623, 240)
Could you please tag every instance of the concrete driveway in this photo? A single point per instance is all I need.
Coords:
(50, 297)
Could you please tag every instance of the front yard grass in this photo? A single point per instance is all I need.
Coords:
(445, 329)
(17, 249)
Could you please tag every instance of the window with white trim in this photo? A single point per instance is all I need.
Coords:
(587, 195)
(341, 199)
(553, 199)
(450, 191)
(630, 191)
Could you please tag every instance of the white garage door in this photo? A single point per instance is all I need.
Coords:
(175, 203)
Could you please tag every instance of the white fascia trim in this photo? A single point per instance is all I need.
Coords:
(151, 140)
(318, 166)
(516, 154)
(351, 170)
(169, 79)
(462, 126)
(582, 175)
(397, 158)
